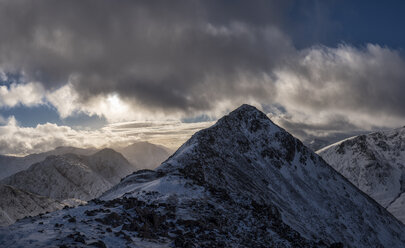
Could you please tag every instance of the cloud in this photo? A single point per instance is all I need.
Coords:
(147, 53)
(18, 140)
(171, 134)
(342, 89)
(143, 60)
(29, 94)
(368, 79)
(67, 102)
(2, 120)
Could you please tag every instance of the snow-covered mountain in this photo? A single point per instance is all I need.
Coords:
(65, 176)
(16, 204)
(10, 165)
(243, 182)
(145, 155)
(316, 143)
(375, 163)
(73, 176)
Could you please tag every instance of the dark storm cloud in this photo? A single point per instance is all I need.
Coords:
(337, 123)
(161, 54)
(192, 56)
(317, 136)
(369, 80)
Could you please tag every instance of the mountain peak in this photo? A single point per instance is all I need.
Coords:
(244, 131)
(107, 152)
(247, 119)
(246, 112)
(242, 181)
(246, 108)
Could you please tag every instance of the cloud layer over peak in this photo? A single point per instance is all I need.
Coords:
(18, 140)
(179, 56)
(151, 60)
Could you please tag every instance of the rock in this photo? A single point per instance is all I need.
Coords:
(98, 244)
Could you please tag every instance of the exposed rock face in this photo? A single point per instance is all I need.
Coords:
(375, 163)
(243, 182)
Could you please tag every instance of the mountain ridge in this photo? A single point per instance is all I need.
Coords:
(20, 203)
(11, 164)
(376, 164)
(244, 182)
(145, 155)
(72, 176)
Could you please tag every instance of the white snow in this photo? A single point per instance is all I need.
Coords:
(16, 204)
(166, 187)
(375, 163)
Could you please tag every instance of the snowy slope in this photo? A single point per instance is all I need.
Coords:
(375, 163)
(10, 165)
(145, 155)
(16, 204)
(73, 176)
(243, 182)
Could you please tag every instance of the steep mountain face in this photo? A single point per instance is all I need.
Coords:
(145, 155)
(375, 163)
(16, 204)
(73, 176)
(10, 165)
(243, 182)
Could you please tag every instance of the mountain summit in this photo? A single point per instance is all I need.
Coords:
(244, 182)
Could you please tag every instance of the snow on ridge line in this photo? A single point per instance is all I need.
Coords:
(384, 131)
(375, 163)
(336, 143)
(251, 184)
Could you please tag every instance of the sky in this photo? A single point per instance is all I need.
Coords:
(103, 73)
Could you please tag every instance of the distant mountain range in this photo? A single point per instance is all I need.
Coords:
(244, 182)
(67, 176)
(375, 163)
(145, 155)
(10, 165)
(142, 155)
(73, 176)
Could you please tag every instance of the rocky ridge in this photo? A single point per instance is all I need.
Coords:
(243, 182)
